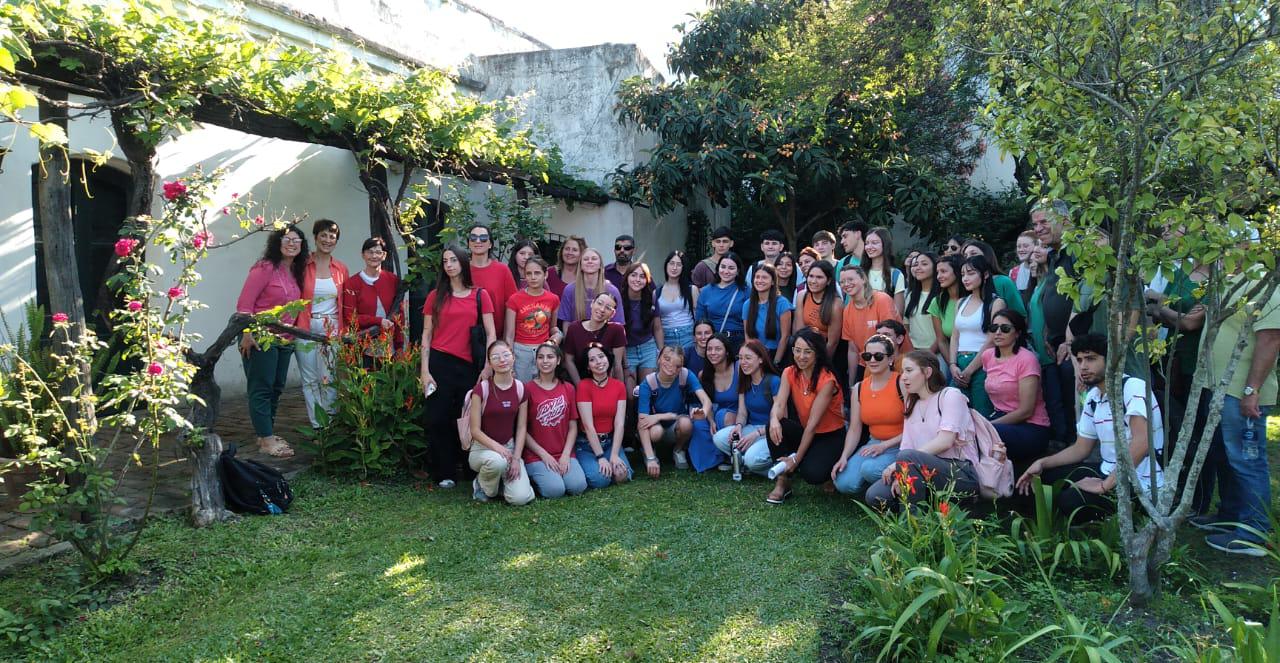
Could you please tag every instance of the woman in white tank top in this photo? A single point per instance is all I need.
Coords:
(969, 337)
(677, 298)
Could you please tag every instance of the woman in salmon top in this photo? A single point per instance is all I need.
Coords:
(876, 406)
(811, 444)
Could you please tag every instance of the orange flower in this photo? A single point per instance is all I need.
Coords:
(944, 508)
(928, 472)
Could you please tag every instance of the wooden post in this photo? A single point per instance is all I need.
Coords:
(53, 200)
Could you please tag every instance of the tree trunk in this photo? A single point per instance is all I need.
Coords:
(383, 221)
(142, 180)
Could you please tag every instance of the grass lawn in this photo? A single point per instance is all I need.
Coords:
(687, 568)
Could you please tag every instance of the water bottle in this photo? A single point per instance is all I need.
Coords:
(737, 456)
(777, 469)
(1249, 441)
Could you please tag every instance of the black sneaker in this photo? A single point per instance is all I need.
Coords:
(1209, 523)
(1228, 542)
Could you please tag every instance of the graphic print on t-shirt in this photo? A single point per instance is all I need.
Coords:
(551, 411)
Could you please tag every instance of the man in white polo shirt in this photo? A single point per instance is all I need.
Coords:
(1091, 490)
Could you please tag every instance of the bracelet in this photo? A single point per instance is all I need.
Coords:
(650, 459)
(599, 456)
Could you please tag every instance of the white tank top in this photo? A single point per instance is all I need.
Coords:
(969, 328)
(324, 301)
(674, 314)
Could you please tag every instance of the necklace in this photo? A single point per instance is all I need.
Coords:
(600, 383)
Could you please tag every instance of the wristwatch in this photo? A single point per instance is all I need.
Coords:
(1249, 391)
(599, 456)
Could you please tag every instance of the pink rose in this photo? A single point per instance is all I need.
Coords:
(226, 211)
(155, 369)
(234, 196)
(258, 220)
(60, 317)
(125, 246)
(135, 306)
(175, 292)
(202, 239)
(174, 190)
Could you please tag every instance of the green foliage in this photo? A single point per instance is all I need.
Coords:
(374, 426)
(26, 343)
(40, 619)
(508, 220)
(1048, 539)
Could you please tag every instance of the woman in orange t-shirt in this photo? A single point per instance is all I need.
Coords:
(810, 444)
(876, 407)
(864, 311)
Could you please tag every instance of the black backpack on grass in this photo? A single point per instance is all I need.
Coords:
(251, 487)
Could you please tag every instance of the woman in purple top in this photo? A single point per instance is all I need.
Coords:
(274, 280)
(575, 301)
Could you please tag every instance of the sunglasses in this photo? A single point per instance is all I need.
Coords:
(1003, 329)
(873, 356)
(478, 238)
(623, 247)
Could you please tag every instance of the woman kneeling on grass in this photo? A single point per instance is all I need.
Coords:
(811, 444)
(877, 406)
(602, 409)
(499, 411)
(663, 406)
(930, 456)
(758, 381)
(552, 427)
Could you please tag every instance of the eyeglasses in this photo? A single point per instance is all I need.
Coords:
(290, 240)
(478, 238)
(1003, 329)
(873, 356)
(624, 247)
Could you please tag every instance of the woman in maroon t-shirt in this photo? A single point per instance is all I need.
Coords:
(552, 427)
(448, 371)
(499, 410)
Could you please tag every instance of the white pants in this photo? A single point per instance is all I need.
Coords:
(315, 364)
(491, 469)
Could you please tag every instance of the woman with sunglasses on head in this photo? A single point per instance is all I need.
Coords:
(677, 299)
(602, 411)
(876, 406)
(758, 383)
(766, 314)
(810, 444)
(449, 369)
(575, 301)
(1013, 385)
(274, 280)
(323, 283)
(492, 276)
(552, 427)
(972, 331)
(565, 271)
(499, 424)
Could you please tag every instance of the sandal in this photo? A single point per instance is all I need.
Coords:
(774, 498)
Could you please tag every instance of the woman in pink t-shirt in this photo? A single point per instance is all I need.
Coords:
(930, 456)
(552, 427)
(1013, 383)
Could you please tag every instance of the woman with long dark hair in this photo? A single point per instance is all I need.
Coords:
(677, 299)
(821, 309)
(450, 368)
(766, 314)
(602, 410)
(786, 268)
(922, 290)
(972, 331)
(1013, 385)
(943, 308)
(643, 324)
(552, 427)
(720, 379)
(520, 254)
(877, 263)
(811, 443)
(1004, 286)
(274, 280)
(758, 382)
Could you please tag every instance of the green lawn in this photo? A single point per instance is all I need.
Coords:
(686, 568)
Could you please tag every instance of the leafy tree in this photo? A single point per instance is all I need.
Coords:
(1147, 116)
(807, 111)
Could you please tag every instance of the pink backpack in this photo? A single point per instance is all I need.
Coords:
(464, 421)
(987, 454)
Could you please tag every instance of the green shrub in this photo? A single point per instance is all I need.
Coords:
(1048, 539)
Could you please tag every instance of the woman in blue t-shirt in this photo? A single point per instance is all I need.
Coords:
(720, 378)
(758, 383)
(663, 404)
(766, 315)
(721, 302)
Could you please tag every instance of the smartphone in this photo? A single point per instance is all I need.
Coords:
(431, 389)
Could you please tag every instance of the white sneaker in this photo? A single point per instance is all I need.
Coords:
(446, 484)
(724, 467)
(681, 459)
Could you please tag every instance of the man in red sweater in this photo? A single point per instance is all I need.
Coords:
(489, 274)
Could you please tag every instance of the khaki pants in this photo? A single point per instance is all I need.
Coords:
(491, 469)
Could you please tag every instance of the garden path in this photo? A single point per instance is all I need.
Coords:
(21, 545)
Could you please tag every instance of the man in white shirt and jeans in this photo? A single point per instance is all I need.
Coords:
(1090, 492)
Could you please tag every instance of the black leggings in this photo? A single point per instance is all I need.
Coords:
(1078, 505)
(454, 377)
(823, 452)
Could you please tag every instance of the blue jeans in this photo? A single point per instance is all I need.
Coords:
(591, 468)
(1061, 417)
(862, 471)
(681, 337)
(1250, 500)
(756, 457)
(552, 484)
(642, 356)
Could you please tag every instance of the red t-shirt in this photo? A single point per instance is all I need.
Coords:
(535, 316)
(497, 280)
(498, 420)
(550, 411)
(603, 400)
(577, 337)
(452, 332)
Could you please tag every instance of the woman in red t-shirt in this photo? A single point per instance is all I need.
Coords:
(811, 444)
(499, 410)
(602, 409)
(531, 318)
(448, 369)
(552, 427)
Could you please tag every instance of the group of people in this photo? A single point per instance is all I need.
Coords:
(857, 373)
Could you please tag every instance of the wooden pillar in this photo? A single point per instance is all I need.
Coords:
(53, 200)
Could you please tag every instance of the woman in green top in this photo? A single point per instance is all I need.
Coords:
(1006, 289)
(943, 307)
(1179, 309)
